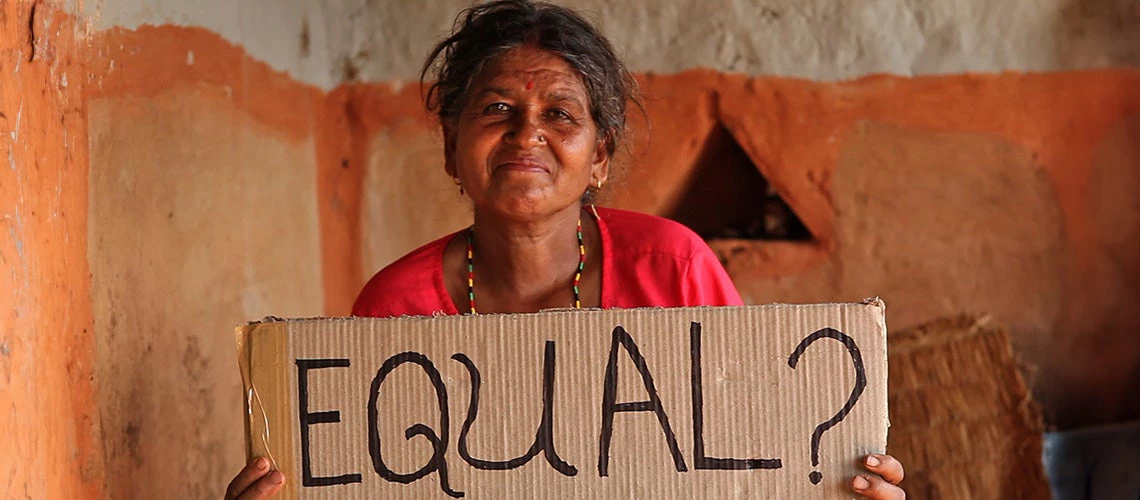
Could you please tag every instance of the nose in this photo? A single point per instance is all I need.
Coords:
(526, 131)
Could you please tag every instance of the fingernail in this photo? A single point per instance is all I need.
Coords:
(277, 478)
(261, 463)
(861, 483)
(872, 461)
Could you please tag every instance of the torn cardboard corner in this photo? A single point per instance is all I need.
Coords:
(774, 401)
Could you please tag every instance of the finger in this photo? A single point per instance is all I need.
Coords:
(265, 487)
(253, 471)
(886, 466)
(874, 487)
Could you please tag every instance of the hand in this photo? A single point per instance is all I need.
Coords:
(255, 481)
(883, 484)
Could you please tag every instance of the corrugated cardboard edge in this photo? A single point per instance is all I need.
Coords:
(885, 379)
(265, 396)
(869, 301)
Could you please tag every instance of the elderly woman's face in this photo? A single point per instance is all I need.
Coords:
(524, 144)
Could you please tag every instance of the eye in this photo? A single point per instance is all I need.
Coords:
(496, 108)
(560, 114)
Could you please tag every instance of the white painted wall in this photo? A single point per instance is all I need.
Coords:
(815, 39)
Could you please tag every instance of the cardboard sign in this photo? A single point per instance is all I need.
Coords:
(774, 401)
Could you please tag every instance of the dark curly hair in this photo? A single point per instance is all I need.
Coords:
(486, 31)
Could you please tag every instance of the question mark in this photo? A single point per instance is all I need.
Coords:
(860, 384)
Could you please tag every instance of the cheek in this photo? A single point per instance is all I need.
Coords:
(579, 143)
(475, 147)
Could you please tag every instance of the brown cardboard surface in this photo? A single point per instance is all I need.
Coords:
(387, 408)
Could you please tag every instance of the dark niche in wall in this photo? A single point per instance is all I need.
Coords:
(726, 197)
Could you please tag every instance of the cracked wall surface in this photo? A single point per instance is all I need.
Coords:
(385, 40)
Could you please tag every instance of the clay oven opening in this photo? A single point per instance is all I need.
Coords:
(726, 197)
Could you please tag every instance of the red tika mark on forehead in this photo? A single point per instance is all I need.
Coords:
(530, 85)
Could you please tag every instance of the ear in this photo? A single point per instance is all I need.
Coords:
(600, 166)
(449, 148)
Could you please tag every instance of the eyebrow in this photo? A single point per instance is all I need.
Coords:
(564, 96)
(556, 95)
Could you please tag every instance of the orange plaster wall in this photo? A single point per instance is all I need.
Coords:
(48, 415)
(143, 405)
(204, 214)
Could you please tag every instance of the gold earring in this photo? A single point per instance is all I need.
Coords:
(593, 208)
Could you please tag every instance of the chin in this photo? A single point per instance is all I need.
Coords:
(526, 203)
(524, 208)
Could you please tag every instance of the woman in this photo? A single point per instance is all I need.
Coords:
(532, 100)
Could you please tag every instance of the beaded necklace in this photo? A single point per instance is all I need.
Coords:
(471, 268)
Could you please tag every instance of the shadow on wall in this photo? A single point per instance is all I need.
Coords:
(1104, 31)
(1107, 31)
(727, 198)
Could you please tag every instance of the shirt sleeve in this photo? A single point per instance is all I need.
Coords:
(706, 283)
(366, 303)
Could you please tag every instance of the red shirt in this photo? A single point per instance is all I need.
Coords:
(647, 261)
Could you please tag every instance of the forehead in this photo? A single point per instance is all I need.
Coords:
(522, 65)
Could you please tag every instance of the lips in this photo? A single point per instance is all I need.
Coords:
(523, 164)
